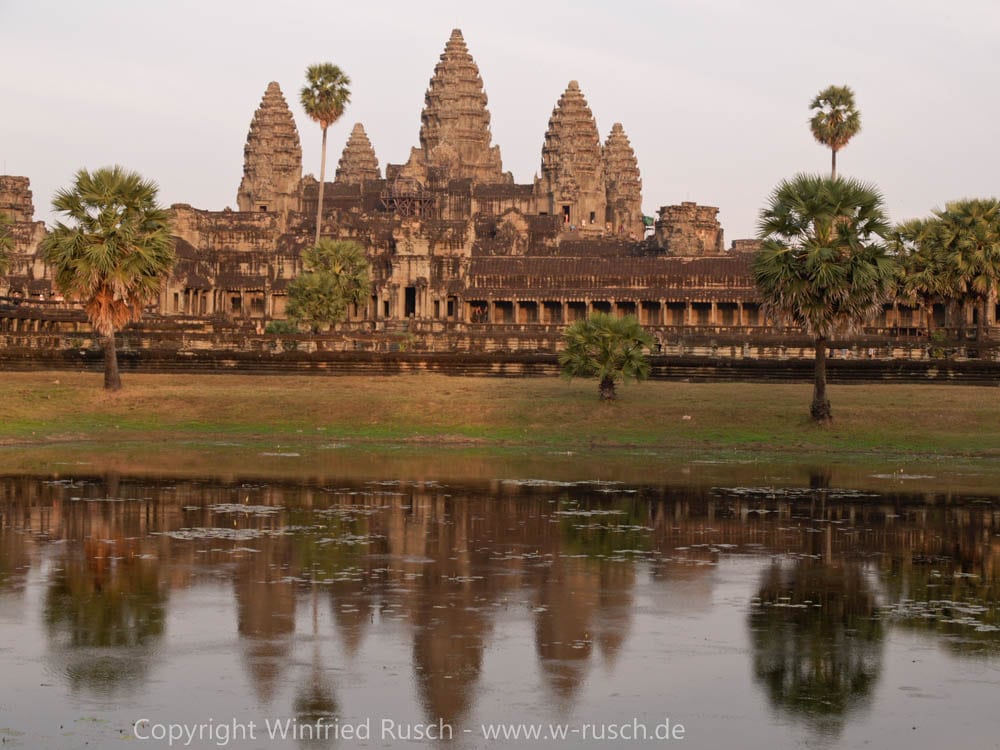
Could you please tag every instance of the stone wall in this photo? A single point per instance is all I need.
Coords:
(509, 353)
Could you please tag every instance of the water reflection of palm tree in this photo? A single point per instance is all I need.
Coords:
(817, 641)
(315, 700)
(105, 611)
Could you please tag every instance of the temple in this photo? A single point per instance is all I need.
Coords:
(455, 244)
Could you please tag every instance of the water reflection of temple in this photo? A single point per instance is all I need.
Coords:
(441, 564)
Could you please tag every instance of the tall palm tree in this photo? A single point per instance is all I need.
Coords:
(836, 121)
(608, 348)
(821, 263)
(324, 98)
(113, 253)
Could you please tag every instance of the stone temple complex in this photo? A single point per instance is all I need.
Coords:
(454, 242)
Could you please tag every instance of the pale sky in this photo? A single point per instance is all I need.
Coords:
(714, 94)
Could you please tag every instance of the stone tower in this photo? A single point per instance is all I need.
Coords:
(358, 164)
(15, 198)
(455, 138)
(572, 181)
(623, 184)
(690, 229)
(272, 158)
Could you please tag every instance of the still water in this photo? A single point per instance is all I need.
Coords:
(383, 613)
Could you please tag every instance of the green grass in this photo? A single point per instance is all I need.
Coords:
(45, 407)
(883, 423)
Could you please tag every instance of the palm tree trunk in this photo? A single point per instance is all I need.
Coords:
(112, 380)
(607, 388)
(833, 168)
(322, 181)
(820, 408)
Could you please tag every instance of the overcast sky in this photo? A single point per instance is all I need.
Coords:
(714, 94)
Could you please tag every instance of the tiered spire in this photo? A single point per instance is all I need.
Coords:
(272, 158)
(15, 198)
(455, 133)
(572, 162)
(623, 182)
(358, 164)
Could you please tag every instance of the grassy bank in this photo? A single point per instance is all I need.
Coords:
(58, 406)
(433, 427)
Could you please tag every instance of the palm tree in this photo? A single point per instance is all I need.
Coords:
(926, 275)
(608, 348)
(820, 261)
(836, 121)
(970, 238)
(336, 274)
(323, 98)
(953, 256)
(113, 253)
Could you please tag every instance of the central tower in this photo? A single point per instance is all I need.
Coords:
(572, 181)
(455, 138)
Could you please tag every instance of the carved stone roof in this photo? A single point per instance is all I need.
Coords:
(272, 158)
(571, 156)
(674, 278)
(455, 123)
(509, 191)
(621, 168)
(358, 164)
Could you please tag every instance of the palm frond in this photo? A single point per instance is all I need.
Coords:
(822, 263)
(114, 248)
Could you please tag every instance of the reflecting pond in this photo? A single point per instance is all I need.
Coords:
(387, 613)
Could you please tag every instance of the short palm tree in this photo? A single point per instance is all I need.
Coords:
(954, 255)
(113, 253)
(836, 121)
(336, 274)
(821, 262)
(926, 275)
(324, 98)
(970, 239)
(608, 348)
